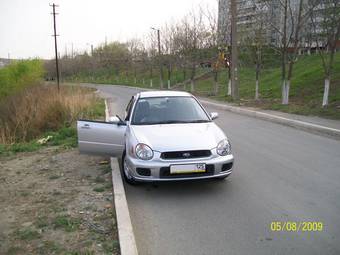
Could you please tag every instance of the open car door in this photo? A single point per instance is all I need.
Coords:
(101, 138)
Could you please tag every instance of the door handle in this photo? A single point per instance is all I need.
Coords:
(86, 126)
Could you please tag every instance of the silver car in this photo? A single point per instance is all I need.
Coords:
(165, 136)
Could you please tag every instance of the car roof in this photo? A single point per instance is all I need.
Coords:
(163, 93)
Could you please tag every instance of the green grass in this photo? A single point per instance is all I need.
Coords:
(54, 177)
(99, 189)
(27, 234)
(66, 223)
(106, 169)
(86, 252)
(99, 179)
(110, 246)
(66, 137)
(306, 90)
(14, 250)
(41, 222)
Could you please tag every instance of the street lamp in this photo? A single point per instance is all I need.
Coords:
(159, 56)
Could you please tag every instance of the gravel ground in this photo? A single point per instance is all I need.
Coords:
(56, 201)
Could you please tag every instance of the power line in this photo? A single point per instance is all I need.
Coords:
(55, 43)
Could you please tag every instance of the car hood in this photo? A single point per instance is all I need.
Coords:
(174, 137)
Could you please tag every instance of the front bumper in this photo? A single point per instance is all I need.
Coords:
(158, 167)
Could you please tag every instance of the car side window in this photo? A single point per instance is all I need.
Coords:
(129, 108)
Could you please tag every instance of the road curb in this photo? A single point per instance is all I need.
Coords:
(313, 128)
(126, 235)
(298, 124)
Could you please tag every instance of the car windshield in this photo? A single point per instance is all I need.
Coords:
(168, 110)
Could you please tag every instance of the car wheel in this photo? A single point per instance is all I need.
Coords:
(126, 174)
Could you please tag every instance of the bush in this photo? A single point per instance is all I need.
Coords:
(39, 109)
(19, 75)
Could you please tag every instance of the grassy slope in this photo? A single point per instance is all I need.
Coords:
(305, 94)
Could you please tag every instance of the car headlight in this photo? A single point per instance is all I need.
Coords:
(223, 147)
(143, 151)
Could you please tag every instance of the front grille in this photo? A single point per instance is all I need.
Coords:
(165, 172)
(186, 154)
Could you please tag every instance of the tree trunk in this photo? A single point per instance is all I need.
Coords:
(135, 76)
(285, 92)
(192, 81)
(151, 82)
(229, 82)
(284, 51)
(215, 84)
(326, 92)
(169, 76)
(229, 87)
(257, 82)
(192, 85)
(257, 90)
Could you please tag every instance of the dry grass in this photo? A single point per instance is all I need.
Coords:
(38, 109)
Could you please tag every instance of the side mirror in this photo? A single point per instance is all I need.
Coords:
(114, 119)
(117, 120)
(213, 115)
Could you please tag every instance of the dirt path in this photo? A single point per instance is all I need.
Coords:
(56, 202)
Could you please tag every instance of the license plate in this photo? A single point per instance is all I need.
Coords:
(187, 169)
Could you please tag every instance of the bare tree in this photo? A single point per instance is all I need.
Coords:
(136, 49)
(293, 14)
(255, 39)
(195, 36)
(326, 30)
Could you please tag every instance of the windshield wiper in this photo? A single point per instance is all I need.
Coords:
(172, 122)
(161, 122)
(183, 121)
(198, 121)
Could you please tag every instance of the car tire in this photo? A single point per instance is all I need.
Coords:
(128, 178)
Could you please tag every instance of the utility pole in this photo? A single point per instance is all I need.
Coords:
(234, 54)
(55, 44)
(159, 57)
(72, 50)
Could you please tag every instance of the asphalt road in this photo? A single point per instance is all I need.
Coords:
(280, 174)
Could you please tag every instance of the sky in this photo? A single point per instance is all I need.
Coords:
(26, 27)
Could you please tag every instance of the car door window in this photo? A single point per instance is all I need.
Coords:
(129, 108)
